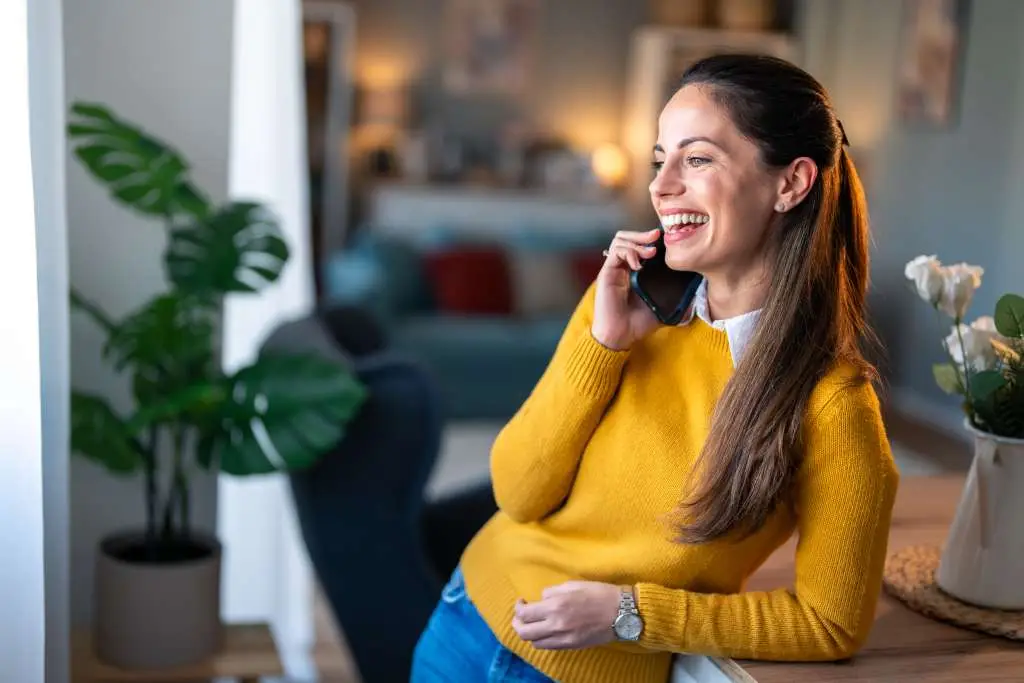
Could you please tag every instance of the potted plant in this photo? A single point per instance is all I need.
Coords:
(984, 551)
(157, 592)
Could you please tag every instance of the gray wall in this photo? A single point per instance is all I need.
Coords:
(166, 66)
(955, 193)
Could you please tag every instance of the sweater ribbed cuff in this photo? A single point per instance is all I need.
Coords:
(594, 369)
(664, 612)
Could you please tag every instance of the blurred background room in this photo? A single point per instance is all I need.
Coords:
(445, 175)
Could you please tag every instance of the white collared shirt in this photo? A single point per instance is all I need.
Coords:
(739, 329)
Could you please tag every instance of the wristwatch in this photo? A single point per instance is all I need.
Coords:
(628, 624)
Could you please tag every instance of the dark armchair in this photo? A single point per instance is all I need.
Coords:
(380, 552)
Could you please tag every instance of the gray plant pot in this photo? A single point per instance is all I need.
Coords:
(157, 612)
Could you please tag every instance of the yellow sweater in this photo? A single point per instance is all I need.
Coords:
(586, 471)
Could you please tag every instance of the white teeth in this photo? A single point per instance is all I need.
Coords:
(677, 219)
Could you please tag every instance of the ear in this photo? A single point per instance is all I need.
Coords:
(795, 182)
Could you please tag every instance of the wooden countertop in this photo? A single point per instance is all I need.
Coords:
(903, 645)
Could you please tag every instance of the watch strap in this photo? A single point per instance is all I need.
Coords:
(627, 600)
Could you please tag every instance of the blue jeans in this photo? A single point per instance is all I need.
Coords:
(458, 647)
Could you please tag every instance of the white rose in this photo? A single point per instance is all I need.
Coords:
(977, 348)
(958, 285)
(926, 273)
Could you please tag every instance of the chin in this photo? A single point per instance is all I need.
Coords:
(680, 259)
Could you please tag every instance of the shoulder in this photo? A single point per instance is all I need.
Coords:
(844, 429)
(844, 390)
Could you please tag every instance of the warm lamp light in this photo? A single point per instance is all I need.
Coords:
(610, 165)
(383, 107)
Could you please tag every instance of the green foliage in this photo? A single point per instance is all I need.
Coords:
(249, 433)
(947, 377)
(985, 384)
(1009, 316)
(138, 170)
(237, 249)
(1001, 410)
(100, 435)
(280, 413)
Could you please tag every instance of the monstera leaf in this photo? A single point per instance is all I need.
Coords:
(139, 170)
(168, 344)
(170, 329)
(101, 436)
(237, 249)
(280, 413)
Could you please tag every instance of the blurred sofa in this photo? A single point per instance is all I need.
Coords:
(475, 284)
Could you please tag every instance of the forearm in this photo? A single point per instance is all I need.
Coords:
(535, 457)
(775, 625)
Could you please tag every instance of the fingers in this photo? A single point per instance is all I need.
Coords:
(530, 612)
(535, 631)
(645, 237)
(631, 248)
(628, 252)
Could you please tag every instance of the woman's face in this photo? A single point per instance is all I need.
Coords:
(714, 195)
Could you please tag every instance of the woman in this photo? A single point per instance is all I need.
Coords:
(654, 468)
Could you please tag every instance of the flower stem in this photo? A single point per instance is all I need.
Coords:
(963, 355)
(960, 375)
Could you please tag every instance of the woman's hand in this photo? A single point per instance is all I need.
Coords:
(572, 615)
(620, 317)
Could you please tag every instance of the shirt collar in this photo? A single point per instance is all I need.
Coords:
(739, 329)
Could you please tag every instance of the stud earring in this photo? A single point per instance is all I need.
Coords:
(780, 207)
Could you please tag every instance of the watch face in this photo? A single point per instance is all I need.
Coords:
(629, 626)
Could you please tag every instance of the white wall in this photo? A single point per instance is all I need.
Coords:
(46, 99)
(22, 591)
(166, 66)
(266, 573)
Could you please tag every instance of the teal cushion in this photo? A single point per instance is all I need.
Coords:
(384, 273)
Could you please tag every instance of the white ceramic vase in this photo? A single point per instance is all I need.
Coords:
(983, 559)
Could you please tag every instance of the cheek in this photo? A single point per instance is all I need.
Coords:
(745, 207)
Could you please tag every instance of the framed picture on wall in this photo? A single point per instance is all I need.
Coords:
(932, 35)
(489, 45)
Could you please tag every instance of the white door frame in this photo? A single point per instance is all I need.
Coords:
(22, 583)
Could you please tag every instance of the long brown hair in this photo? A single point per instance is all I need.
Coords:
(814, 312)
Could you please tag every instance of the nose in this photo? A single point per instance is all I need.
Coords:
(666, 183)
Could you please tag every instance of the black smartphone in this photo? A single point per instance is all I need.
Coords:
(667, 292)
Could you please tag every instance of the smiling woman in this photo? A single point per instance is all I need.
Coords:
(655, 466)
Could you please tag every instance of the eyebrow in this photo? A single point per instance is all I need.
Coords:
(688, 141)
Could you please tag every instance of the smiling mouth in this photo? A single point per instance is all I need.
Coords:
(683, 222)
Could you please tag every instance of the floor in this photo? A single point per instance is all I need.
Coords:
(919, 450)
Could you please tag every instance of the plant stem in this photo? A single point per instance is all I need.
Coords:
(151, 491)
(176, 508)
(961, 375)
(181, 482)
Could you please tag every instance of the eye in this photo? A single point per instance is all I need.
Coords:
(656, 165)
(696, 161)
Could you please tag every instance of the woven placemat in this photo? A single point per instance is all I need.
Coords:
(910, 577)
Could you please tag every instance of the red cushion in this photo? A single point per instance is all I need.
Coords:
(585, 267)
(472, 280)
